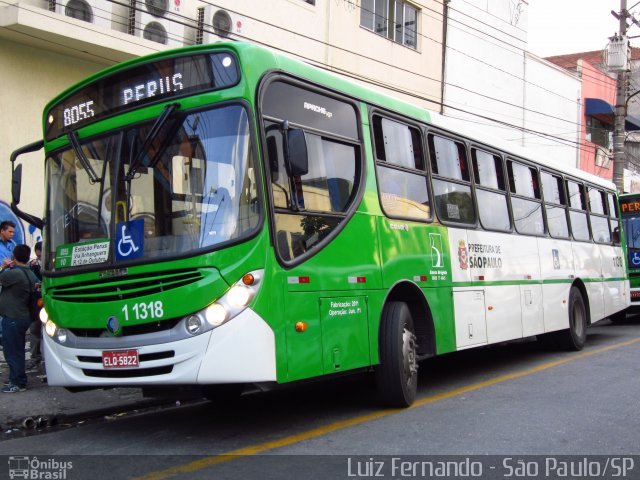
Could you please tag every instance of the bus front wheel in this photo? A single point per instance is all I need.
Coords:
(397, 374)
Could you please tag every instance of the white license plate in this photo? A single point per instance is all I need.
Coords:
(120, 359)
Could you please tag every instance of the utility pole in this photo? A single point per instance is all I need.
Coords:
(619, 158)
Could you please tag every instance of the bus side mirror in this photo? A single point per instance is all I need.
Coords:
(16, 183)
(298, 157)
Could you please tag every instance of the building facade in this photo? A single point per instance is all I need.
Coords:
(597, 116)
(492, 81)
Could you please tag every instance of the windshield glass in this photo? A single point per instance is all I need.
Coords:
(191, 186)
(632, 234)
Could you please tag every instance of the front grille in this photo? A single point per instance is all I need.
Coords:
(133, 286)
(136, 372)
(152, 327)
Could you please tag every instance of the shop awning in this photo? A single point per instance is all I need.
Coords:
(597, 106)
(605, 112)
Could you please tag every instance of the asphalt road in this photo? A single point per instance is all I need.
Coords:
(498, 406)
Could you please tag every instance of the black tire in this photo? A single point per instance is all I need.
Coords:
(397, 374)
(574, 337)
(223, 395)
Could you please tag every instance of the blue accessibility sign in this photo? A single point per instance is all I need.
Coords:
(129, 239)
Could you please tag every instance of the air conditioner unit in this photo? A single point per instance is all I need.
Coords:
(97, 12)
(158, 21)
(216, 24)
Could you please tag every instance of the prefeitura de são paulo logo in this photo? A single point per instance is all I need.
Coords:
(463, 256)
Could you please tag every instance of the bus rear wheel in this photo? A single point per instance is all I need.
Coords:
(397, 374)
(575, 336)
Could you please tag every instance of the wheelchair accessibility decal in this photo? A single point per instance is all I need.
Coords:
(129, 240)
(634, 259)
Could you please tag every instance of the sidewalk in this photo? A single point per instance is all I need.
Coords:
(41, 405)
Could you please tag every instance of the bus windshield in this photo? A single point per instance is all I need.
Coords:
(632, 236)
(186, 187)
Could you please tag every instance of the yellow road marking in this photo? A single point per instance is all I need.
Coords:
(335, 426)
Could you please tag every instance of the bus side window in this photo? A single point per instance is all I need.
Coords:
(555, 205)
(324, 194)
(490, 191)
(451, 181)
(614, 221)
(402, 180)
(597, 216)
(578, 211)
(525, 198)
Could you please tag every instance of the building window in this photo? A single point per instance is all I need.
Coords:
(599, 133)
(394, 19)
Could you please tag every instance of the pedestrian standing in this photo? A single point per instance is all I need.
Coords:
(7, 229)
(35, 264)
(16, 318)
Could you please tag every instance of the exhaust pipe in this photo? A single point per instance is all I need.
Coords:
(29, 423)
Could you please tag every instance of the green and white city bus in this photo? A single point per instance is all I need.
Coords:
(630, 216)
(224, 215)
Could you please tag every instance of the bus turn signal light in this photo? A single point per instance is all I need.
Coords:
(301, 326)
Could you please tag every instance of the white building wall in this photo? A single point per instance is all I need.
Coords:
(492, 81)
(553, 112)
(485, 64)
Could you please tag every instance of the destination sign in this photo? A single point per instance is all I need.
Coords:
(629, 205)
(139, 85)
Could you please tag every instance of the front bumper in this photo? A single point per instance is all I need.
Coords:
(240, 351)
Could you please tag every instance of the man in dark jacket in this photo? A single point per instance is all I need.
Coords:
(16, 281)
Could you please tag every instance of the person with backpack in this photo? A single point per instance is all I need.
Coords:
(35, 264)
(18, 284)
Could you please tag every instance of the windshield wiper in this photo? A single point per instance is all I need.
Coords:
(153, 133)
(84, 161)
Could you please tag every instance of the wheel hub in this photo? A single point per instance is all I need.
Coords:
(409, 354)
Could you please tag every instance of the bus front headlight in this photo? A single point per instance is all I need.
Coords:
(44, 316)
(194, 324)
(237, 298)
(50, 328)
(215, 314)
